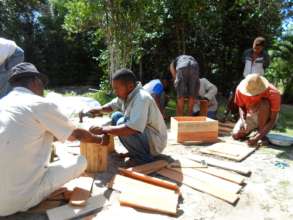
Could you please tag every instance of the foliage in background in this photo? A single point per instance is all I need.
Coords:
(281, 68)
(80, 42)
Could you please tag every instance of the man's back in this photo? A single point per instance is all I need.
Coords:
(25, 146)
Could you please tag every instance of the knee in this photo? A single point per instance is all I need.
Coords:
(115, 117)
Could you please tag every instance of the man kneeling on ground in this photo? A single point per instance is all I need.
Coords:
(259, 104)
(141, 127)
(28, 125)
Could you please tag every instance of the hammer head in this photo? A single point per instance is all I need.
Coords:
(83, 114)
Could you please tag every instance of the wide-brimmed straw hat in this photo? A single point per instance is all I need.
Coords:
(253, 85)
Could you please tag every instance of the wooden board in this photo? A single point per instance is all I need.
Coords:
(233, 151)
(149, 167)
(70, 212)
(221, 173)
(82, 191)
(222, 164)
(200, 185)
(123, 183)
(204, 177)
(148, 200)
(140, 194)
(149, 179)
(194, 129)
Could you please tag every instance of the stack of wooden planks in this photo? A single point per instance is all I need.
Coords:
(220, 179)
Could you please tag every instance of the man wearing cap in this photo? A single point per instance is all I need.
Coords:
(259, 104)
(10, 55)
(185, 72)
(28, 125)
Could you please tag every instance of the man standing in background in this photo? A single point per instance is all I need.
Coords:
(185, 72)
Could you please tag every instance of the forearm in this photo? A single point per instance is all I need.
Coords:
(119, 130)
(270, 124)
(84, 136)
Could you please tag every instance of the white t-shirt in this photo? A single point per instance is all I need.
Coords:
(28, 124)
(209, 91)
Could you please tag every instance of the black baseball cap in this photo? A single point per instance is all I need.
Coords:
(27, 70)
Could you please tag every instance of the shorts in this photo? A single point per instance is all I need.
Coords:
(187, 81)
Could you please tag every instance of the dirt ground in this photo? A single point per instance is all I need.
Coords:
(267, 195)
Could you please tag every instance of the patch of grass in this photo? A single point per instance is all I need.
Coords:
(101, 96)
(285, 122)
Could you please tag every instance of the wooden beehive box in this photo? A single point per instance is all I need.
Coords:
(189, 129)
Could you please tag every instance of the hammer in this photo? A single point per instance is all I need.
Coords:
(86, 114)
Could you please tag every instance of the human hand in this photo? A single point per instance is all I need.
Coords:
(96, 130)
(253, 141)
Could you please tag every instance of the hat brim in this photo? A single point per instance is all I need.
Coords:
(41, 76)
(242, 87)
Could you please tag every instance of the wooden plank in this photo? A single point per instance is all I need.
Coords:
(233, 151)
(148, 200)
(221, 173)
(149, 167)
(144, 195)
(149, 179)
(195, 174)
(69, 212)
(123, 183)
(222, 164)
(81, 191)
(200, 185)
(198, 136)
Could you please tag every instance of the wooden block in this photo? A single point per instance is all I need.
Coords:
(194, 128)
(222, 164)
(70, 212)
(149, 200)
(149, 179)
(96, 156)
(149, 167)
(204, 177)
(111, 145)
(82, 191)
(202, 186)
(233, 151)
(221, 173)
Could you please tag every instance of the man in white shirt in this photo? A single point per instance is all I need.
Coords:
(28, 125)
(207, 91)
(140, 125)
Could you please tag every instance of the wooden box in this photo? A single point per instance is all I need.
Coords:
(199, 128)
(96, 156)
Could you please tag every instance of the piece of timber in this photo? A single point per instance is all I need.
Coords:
(123, 183)
(149, 179)
(149, 167)
(233, 151)
(149, 200)
(218, 172)
(200, 185)
(222, 164)
(74, 212)
(82, 191)
(204, 177)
